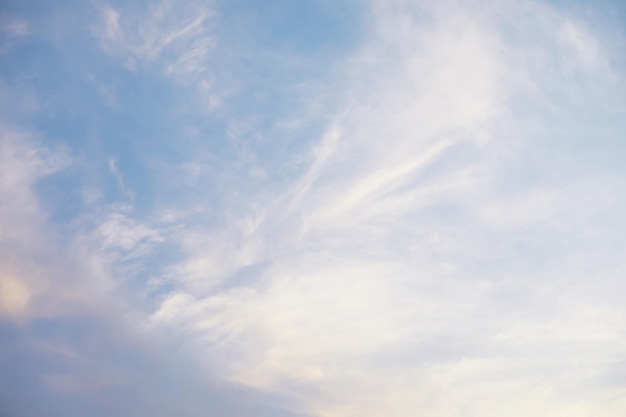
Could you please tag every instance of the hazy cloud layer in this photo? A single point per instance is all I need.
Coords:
(233, 215)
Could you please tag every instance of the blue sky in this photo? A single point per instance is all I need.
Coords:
(312, 208)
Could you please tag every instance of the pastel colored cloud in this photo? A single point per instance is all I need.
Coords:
(211, 206)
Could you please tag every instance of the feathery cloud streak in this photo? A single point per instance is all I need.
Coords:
(417, 267)
(423, 221)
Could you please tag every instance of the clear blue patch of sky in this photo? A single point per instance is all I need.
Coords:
(302, 27)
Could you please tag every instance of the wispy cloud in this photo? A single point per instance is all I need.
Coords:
(21, 221)
(115, 171)
(582, 43)
(388, 279)
(433, 226)
(176, 39)
(12, 31)
(77, 287)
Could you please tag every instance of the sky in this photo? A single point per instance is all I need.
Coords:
(312, 208)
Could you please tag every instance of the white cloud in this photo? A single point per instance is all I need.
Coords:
(582, 43)
(176, 38)
(119, 177)
(39, 275)
(124, 238)
(416, 268)
(443, 255)
(21, 220)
